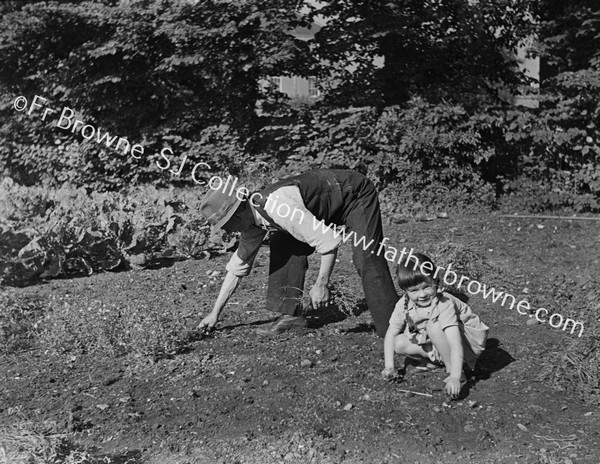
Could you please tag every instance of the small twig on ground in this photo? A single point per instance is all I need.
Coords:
(568, 445)
(416, 393)
(582, 218)
(569, 438)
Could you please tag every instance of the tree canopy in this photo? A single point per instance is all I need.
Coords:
(451, 49)
(190, 75)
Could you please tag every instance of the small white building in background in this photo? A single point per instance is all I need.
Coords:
(531, 68)
(306, 89)
(295, 87)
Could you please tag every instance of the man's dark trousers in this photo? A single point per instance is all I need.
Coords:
(343, 198)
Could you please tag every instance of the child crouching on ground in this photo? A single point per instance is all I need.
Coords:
(432, 326)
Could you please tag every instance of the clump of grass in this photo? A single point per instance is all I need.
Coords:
(345, 298)
(41, 442)
(31, 443)
(584, 362)
(19, 322)
(112, 329)
(342, 298)
(465, 261)
(577, 367)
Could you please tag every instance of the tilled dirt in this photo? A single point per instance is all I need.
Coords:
(316, 395)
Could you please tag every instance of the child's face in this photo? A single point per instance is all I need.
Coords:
(422, 294)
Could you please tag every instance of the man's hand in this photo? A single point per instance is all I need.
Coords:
(208, 323)
(452, 386)
(319, 296)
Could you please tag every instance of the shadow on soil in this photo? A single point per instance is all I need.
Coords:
(332, 314)
(228, 328)
(493, 359)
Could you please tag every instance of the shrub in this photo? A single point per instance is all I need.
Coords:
(424, 152)
(556, 148)
(446, 157)
(556, 194)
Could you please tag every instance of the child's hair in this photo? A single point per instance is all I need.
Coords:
(410, 271)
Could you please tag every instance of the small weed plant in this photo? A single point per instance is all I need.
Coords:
(28, 442)
(19, 322)
(113, 329)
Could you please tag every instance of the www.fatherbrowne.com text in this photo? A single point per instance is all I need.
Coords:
(392, 254)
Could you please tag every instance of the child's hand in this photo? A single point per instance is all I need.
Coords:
(453, 386)
(208, 323)
(389, 374)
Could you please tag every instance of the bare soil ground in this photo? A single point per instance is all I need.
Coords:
(234, 397)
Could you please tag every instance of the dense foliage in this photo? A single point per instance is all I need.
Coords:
(68, 232)
(453, 50)
(189, 77)
(161, 74)
(425, 152)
